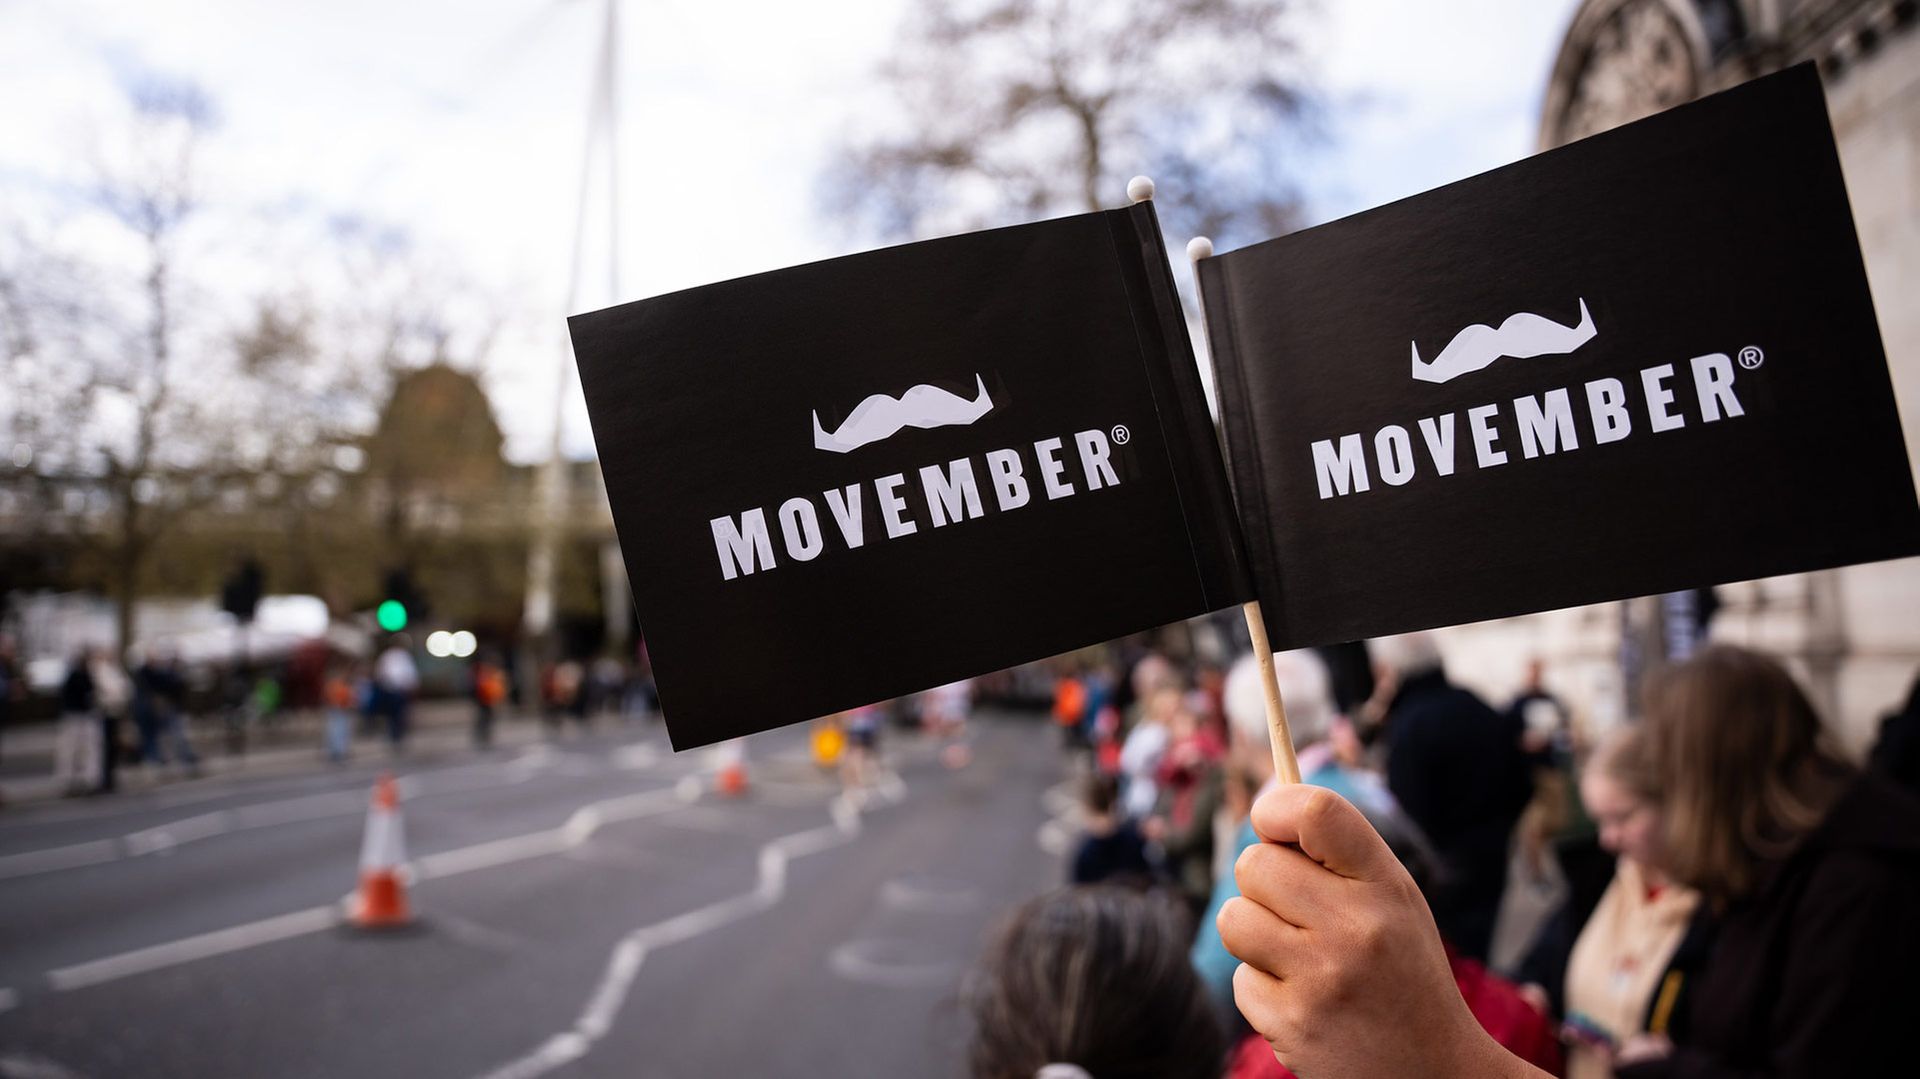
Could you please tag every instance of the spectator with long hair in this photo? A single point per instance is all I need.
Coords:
(1812, 866)
(1618, 957)
(1092, 983)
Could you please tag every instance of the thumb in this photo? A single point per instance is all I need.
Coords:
(1326, 828)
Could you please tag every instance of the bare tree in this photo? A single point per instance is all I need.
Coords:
(1033, 108)
(123, 407)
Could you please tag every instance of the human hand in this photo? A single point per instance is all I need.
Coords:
(1343, 971)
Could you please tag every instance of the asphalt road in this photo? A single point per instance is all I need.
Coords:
(588, 908)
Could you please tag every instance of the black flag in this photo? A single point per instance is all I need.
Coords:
(847, 481)
(1644, 362)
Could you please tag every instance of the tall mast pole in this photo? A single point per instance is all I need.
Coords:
(550, 488)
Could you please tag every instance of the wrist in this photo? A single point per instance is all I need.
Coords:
(1483, 1058)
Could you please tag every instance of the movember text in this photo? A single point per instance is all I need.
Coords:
(1544, 424)
(744, 543)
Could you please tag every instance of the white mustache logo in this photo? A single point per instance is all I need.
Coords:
(881, 416)
(1522, 336)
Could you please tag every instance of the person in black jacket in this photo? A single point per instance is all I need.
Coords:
(1813, 868)
(77, 747)
(1457, 767)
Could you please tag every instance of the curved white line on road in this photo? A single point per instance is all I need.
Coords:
(577, 830)
(867, 961)
(623, 966)
(929, 895)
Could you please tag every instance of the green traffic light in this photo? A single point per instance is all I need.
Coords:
(392, 615)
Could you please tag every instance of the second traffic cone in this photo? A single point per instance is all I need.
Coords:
(382, 900)
(731, 779)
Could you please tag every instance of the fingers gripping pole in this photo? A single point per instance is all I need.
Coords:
(1286, 767)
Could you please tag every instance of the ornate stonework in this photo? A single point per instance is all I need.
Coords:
(1634, 61)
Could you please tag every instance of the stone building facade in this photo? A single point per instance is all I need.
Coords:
(1852, 634)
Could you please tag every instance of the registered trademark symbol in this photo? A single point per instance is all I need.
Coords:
(1122, 436)
(1751, 357)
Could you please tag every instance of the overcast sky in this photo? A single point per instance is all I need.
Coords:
(463, 120)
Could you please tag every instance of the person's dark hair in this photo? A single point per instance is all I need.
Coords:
(1745, 769)
(1098, 977)
(1100, 792)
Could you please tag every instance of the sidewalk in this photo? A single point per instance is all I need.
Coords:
(290, 744)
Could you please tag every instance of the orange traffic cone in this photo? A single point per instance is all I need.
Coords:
(382, 901)
(731, 780)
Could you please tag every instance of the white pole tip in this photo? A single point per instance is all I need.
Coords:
(1199, 248)
(1139, 189)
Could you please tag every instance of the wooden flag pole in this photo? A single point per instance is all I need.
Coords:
(1286, 766)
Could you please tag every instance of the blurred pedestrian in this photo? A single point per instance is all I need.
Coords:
(1070, 709)
(489, 680)
(1145, 746)
(1091, 983)
(562, 692)
(1190, 784)
(339, 696)
(1546, 739)
(861, 752)
(397, 679)
(9, 684)
(76, 747)
(1111, 848)
(943, 712)
(1458, 769)
(1616, 964)
(1812, 865)
(113, 700)
(160, 687)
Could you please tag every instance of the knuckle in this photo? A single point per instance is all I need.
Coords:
(1319, 808)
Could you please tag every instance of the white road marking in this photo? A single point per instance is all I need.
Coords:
(163, 838)
(8, 999)
(47, 860)
(868, 961)
(190, 949)
(623, 965)
(1059, 799)
(576, 831)
(930, 895)
(1056, 835)
(25, 1066)
(1055, 838)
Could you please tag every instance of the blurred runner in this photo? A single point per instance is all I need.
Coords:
(943, 712)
